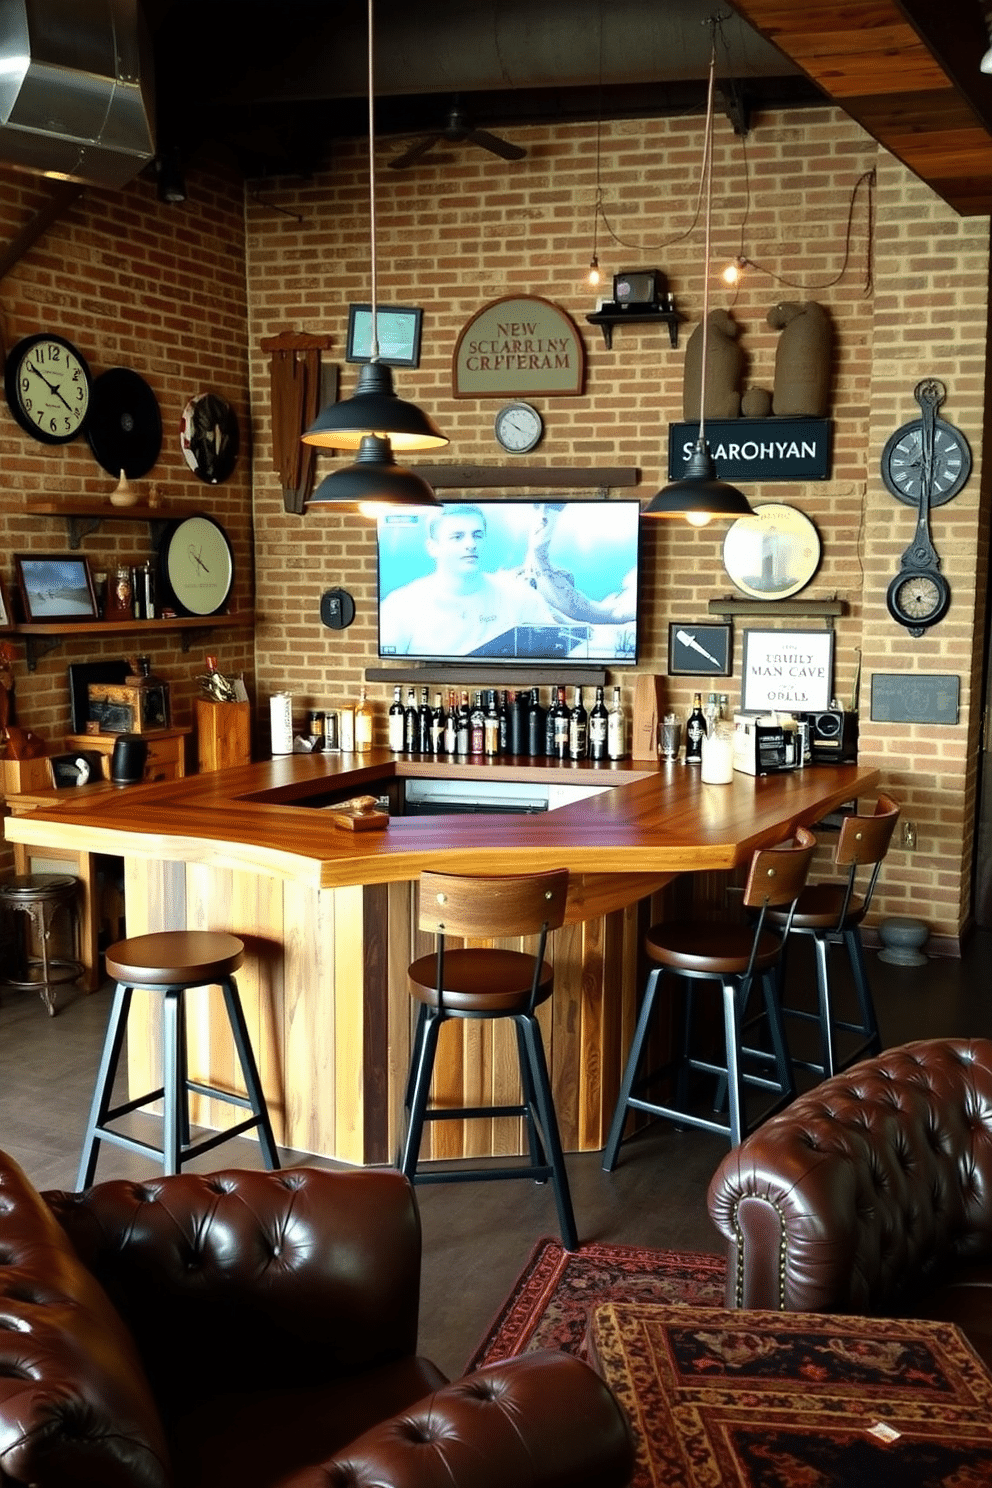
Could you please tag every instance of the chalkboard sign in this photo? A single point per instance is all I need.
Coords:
(912, 698)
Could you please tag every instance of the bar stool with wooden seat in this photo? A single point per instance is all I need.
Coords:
(736, 955)
(489, 983)
(832, 914)
(42, 897)
(169, 964)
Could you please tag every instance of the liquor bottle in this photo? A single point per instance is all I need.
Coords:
(549, 726)
(616, 728)
(560, 726)
(578, 728)
(695, 732)
(490, 726)
(411, 723)
(424, 724)
(597, 727)
(518, 724)
(394, 720)
(463, 726)
(438, 724)
(723, 704)
(451, 727)
(477, 726)
(363, 725)
(503, 724)
(711, 712)
(536, 718)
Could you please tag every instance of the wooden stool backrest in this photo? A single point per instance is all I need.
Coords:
(519, 904)
(865, 839)
(778, 874)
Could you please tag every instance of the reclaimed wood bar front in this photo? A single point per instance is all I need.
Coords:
(328, 919)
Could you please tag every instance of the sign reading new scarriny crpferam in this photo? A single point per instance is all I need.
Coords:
(519, 346)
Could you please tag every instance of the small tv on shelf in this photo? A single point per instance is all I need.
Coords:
(522, 581)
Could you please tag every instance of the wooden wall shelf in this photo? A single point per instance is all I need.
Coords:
(809, 609)
(40, 638)
(607, 319)
(488, 673)
(83, 517)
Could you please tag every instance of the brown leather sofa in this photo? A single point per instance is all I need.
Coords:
(871, 1193)
(254, 1328)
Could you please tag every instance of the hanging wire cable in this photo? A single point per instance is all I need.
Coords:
(867, 180)
(374, 346)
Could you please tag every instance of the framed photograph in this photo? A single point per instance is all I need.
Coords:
(6, 617)
(700, 650)
(773, 553)
(399, 334)
(55, 586)
(787, 671)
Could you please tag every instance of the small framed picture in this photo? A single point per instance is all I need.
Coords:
(700, 650)
(55, 586)
(398, 328)
(787, 671)
(6, 617)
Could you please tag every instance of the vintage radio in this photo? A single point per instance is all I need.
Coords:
(833, 736)
(765, 744)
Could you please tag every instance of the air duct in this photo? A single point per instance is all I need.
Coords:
(76, 96)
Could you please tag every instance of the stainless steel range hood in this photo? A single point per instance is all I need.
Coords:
(76, 92)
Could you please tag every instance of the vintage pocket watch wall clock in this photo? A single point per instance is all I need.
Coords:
(196, 566)
(519, 428)
(48, 387)
(925, 462)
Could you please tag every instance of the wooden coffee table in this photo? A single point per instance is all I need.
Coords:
(761, 1398)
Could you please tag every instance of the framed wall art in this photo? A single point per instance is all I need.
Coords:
(787, 671)
(399, 334)
(699, 650)
(6, 617)
(55, 586)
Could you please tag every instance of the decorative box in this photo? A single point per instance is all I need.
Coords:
(137, 706)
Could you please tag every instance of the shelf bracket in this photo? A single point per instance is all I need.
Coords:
(36, 647)
(80, 527)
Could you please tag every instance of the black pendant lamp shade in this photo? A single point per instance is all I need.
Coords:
(375, 477)
(698, 495)
(374, 408)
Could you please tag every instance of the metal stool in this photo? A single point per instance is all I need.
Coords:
(481, 982)
(41, 896)
(170, 963)
(736, 956)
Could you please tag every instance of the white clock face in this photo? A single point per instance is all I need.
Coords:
(199, 565)
(48, 388)
(518, 428)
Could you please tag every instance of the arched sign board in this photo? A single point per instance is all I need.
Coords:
(517, 346)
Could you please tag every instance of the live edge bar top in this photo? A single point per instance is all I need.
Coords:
(658, 819)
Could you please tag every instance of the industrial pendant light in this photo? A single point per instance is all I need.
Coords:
(374, 419)
(699, 496)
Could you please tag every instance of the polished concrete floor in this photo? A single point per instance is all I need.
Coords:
(476, 1236)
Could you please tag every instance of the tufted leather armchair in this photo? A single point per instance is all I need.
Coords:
(871, 1193)
(255, 1328)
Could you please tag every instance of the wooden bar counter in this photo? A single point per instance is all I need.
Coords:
(328, 920)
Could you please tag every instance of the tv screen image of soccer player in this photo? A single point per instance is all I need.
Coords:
(532, 580)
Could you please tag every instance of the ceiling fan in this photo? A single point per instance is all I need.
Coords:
(458, 129)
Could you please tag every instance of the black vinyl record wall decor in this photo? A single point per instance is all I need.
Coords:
(124, 427)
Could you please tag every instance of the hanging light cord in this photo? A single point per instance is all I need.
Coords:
(374, 346)
(706, 186)
(866, 180)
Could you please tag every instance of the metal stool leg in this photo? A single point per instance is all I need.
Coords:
(173, 1062)
(534, 1144)
(630, 1073)
(424, 1069)
(859, 971)
(537, 1061)
(822, 947)
(249, 1071)
(103, 1090)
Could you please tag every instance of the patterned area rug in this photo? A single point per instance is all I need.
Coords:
(795, 1400)
(552, 1298)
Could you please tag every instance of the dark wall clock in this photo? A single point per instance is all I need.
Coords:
(196, 566)
(48, 387)
(921, 459)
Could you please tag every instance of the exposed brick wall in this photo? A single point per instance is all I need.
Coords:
(462, 229)
(161, 290)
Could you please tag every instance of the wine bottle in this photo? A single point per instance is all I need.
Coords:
(536, 719)
(477, 726)
(410, 723)
(363, 725)
(490, 726)
(424, 723)
(503, 724)
(451, 727)
(616, 728)
(597, 727)
(578, 728)
(518, 724)
(463, 726)
(695, 731)
(438, 723)
(394, 720)
(560, 726)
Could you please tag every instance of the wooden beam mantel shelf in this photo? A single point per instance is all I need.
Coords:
(479, 477)
(41, 638)
(808, 609)
(83, 517)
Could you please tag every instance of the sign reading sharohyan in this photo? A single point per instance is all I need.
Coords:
(519, 346)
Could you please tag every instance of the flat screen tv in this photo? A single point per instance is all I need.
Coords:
(531, 581)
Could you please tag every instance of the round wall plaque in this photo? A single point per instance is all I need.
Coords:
(772, 553)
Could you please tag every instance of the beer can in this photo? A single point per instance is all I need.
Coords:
(281, 721)
(315, 726)
(331, 740)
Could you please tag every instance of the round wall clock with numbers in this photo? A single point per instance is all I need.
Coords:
(48, 387)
